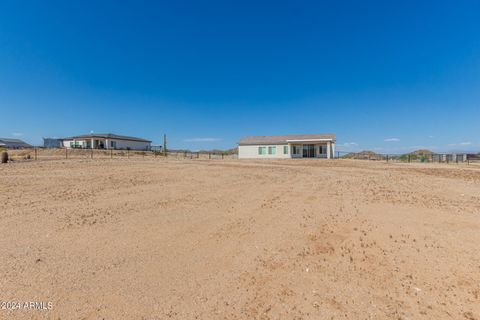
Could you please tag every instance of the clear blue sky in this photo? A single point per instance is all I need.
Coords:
(384, 75)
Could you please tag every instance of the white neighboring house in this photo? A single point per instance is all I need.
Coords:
(291, 146)
(106, 141)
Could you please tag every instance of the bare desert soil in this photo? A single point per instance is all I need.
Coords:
(199, 239)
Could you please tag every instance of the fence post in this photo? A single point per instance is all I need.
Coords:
(111, 153)
(35, 153)
(91, 154)
(408, 158)
(66, 153)
(222, 156)
(209, 156)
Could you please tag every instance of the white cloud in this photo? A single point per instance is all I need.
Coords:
(431, 137)
(348, 144)
(202, 140)
(391, 140)
(466, 143)
(17, 134)
(423, 147)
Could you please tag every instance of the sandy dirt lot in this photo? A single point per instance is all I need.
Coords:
(199, 239)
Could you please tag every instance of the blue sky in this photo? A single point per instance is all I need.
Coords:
(389, 76)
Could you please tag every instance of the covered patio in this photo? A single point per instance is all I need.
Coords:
(311, 150)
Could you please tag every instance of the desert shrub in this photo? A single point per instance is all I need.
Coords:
(4, 157)
(413, 157)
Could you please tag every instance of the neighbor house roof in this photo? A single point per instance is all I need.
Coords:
(14, 143)
(286, 139)
(106, 136)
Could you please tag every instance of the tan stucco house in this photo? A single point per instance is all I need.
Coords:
(290, 146)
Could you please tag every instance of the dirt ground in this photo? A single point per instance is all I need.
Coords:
(199, 239)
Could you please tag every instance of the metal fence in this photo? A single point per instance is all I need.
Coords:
(34, 154)
(412, 157)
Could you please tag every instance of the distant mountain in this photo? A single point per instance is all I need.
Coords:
(421, 153)
(366, 154)
(213, 151)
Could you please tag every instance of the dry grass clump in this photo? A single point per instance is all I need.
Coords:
(4, 157)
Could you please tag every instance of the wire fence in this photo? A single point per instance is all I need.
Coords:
(412, 157)
(37, 154)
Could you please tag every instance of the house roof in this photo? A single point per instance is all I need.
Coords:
(254, 140)
(14, 143)
(106, 136)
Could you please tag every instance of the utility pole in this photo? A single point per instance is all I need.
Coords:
(165, 144)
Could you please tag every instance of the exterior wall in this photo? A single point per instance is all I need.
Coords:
(127, 144)
(251, 152)
(66, 143)
(52, 143)
(120, 144)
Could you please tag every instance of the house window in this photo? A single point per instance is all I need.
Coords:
(296, 149)
(272, 150)
(113, 144)
(323, 149)
(262, 150)
(285, 149)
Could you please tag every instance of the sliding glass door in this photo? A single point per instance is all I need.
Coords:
(309, 151)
